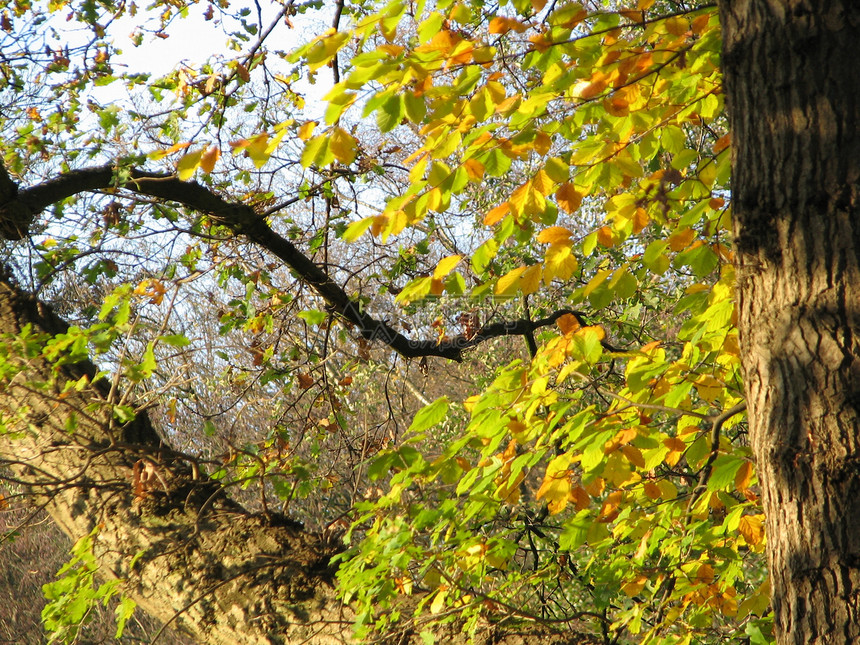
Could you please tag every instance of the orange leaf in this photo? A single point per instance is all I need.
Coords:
(474, 169)
(208, 159)
(633, 587)
(595, 487)
(652, 490)
(722, 143)
(568, 198)
(752, 528)
(554, 235)
(580, 498)
(305, 380)
(542, 143)
(604, 236)
(609, 510)
(503, 24)
(705, 574)
(633, 455)
(568, 324)
(680, 240)
(743, 476)
(640, 220)
(497, 214)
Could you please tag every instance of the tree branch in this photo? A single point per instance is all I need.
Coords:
(19, 207)
(186, 551)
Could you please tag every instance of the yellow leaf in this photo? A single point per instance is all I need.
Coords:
(357, 229)
(258, 149)
(555, 487)
(677, 25)
(633, 587)
(343, 146)
(307, 130)
(508, 283)
(188, 163)
(554, 235)
(568, 198)
(542, 143)
(525, 200)
(752, 528)
(434, 200)
(438, 603)
(396, 223)
(446, 265)
(557, 170)
(509, 491)
(705, 574)
(633, 455)
(709, 388)
(530, 279)
(542, 183)
(559, 262)
(208, 159)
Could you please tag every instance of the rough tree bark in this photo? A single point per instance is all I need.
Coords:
(793, 89)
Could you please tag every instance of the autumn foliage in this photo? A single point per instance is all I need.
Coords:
(469, 164)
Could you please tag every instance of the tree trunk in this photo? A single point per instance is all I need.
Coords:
(188, 552)
(793, 90)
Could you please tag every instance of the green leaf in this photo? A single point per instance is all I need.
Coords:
(313, 316)
(176, 340)
(124, 611)
(391, 112)
(430, 415)
(723, 472)
(317, 152)
(148, 362)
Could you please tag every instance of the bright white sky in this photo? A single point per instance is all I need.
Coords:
(194, 39)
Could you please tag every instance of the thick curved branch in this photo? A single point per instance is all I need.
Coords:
(19, 207)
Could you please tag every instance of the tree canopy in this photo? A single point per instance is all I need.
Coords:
(439, 297)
